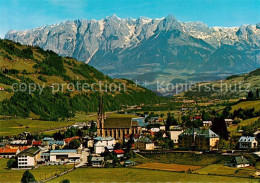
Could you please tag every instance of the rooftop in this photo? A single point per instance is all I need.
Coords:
(64, 151)
(6, 150)
(97, 159)
(56, 142)
(30, 152)
(47, 138)
(104, 139)
(246, 139)
(144, 140)
(120, 151)
(68, 140)
(119, 123)
(199, 132)
(241, 160)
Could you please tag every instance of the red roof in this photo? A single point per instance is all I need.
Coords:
(120, 151)
(37, 143)
(8, 150)
(68, 140)
(23, 148)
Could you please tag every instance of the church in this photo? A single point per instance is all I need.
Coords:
(115, 127)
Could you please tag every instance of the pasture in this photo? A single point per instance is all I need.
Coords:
(140, 175)
(11, 176)
(217, 169)
(15, 126)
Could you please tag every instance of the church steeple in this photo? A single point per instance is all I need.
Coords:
(101, 118)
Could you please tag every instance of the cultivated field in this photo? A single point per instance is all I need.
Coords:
(140, 175)
(168, 167)
(11, 176)
(224, 170)
(233, 128)
(188, 158)
(247, 105)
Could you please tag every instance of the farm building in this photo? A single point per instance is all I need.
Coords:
(240, 162)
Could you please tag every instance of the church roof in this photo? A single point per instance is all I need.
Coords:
(119, 123)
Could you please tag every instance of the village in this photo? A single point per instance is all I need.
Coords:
(120, 140)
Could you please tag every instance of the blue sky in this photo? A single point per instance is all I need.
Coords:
(27, 14)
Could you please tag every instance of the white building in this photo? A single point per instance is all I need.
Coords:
(155, 129)
(28, 158)
(101, 143)
(207, 123)
(99, 147)
(79, 125)
(240, 162)
(162, 128)
(6, 152)
(174, 134)
(246, 142)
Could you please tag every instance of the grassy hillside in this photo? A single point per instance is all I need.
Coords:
(35, 68)
(235, 86)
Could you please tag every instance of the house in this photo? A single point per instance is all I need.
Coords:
(119, 153)
(198, 139)
(99, 147)
(240, 162)
(6, 152)
(175, 131)
(37, 143)
(107, 141)
(144, 143)
(2, 88)
(135, 137)
(17, 144)
(101, 143)
(229, 121)
(88, 141)
(79, 125)
(55, 144)
(28, 158)
(130, 163)
(207, 123)
(24, 135)
(155, 129)
(97, 161)
(246, 142)
(162, 128)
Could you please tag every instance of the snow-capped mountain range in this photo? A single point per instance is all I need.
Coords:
(147, 48)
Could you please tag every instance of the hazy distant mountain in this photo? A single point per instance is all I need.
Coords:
(151, 49)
